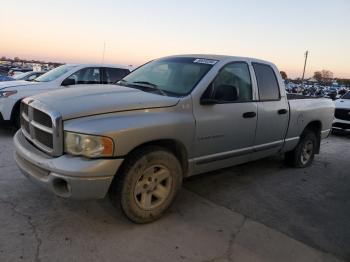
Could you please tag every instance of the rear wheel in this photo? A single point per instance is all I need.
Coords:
(147, 184)
(304, 153)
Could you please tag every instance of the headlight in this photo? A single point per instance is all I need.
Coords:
(88, 145)
(7, 93)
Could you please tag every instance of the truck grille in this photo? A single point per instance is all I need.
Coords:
(343, 114)
(42, 127)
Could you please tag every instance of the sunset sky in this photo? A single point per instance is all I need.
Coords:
(137, 31)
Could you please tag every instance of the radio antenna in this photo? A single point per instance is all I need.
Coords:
(103, 53)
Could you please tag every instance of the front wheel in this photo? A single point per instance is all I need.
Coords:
(304, 153)
(147, 184)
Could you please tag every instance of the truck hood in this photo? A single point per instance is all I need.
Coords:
(15, 83)
(342, 103)
(90, 100)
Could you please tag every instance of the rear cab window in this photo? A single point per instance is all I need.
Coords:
(267, 82)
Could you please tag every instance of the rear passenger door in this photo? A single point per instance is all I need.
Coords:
(273, 111)
(113, 75)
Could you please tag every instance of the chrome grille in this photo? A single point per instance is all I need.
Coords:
(42, 127)
(343, 114)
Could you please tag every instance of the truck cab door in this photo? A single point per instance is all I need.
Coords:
(225, 120)
(273, 112)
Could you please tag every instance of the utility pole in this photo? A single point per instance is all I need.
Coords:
(302, 80)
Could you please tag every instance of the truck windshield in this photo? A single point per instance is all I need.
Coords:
(171, 76)
(54, 73)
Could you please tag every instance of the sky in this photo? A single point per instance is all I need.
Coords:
(138, 31)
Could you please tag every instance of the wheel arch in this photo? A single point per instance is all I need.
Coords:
(316, 127)
(174, 146)
(14, 109)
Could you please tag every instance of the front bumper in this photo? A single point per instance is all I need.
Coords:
(66, 176)
(341, 124)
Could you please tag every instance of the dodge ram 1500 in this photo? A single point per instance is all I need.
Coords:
(171, 118)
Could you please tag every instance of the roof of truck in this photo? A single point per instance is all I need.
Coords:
(222, 57)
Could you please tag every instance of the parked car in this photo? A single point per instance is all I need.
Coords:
(29, 76)
(342, 113)
(69, 75)
(3, 71)
(4, 78)
(171, 118)
(331, 93)
(17, 71)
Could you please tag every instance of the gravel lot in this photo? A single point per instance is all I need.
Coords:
(262, 211)
(311, 205)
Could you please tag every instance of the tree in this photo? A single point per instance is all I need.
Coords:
(3, 58)
(284, 75)
(16, 59)
(324, 76)
(327, 75)
(318, 76)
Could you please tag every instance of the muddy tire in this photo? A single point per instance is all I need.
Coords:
(303, 155)
(147, 184)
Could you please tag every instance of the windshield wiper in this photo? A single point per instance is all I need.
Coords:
(153, 86)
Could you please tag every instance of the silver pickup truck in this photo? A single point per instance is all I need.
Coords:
(171, 118)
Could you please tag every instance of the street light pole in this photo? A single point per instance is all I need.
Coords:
(302, 80)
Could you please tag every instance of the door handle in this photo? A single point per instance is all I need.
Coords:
(282, 111)
(249, 115)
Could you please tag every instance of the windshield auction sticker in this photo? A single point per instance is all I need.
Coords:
(205, 61)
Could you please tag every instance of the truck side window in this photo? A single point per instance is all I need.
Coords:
(267, 82)
(233, 83)
(90, 75)
(112, 75)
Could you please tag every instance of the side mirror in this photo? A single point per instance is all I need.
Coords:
(68, 82)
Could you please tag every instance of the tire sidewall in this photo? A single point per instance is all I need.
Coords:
(132, 174)
(308, 136)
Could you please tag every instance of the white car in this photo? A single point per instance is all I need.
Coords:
(342, 113)
(69, 75)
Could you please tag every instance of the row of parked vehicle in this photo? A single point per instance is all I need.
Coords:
(9, 73)
(333, 92)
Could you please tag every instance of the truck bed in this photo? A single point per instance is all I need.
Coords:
(305, 109)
